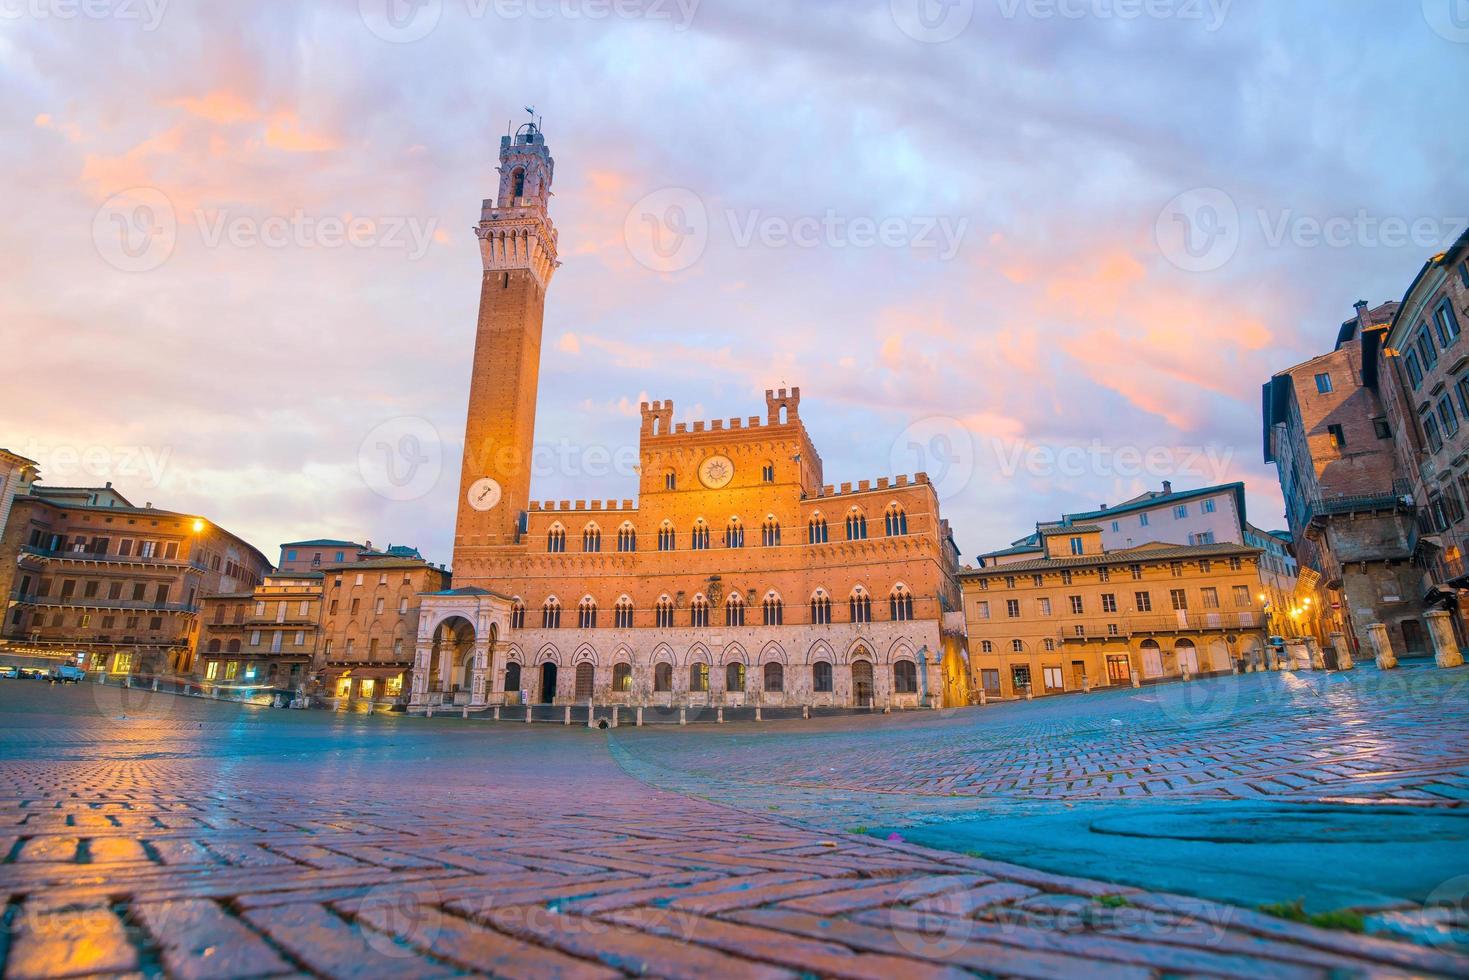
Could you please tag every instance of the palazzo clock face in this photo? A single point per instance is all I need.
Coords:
(484, 494)
(716, 472)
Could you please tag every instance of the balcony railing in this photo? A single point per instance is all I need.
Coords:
(1396, 497)
(79, 602)
(74, 555)
(1200, 621)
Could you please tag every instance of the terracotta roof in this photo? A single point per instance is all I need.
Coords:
(1143, 553)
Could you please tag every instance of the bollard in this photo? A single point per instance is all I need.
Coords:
(465, 713)
(757, 713)
(568, 714)
(528, 710)
(155, 683)
(1086, 685)
(1382, 646)
(719, 715)
(1136, 681)
(1445, 647)
(682, 716)
(497, 712)
(1029, 694)
(615, 708)
(1317, 655)
(984, 698)
(591, 714)
(430, 713)
(806, 712)
(1344, 659)
(640, 717)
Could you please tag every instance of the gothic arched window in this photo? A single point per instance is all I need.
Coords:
(556, 539)
(627, 538)
(665, 613)
(622, 615)
(699, 613)
(770, 532)
(551, 615)
(734, 534)
(816, 530)
(860, 605)
(856, 525)
(896, 521)
(821, 608)
(734, 610)
(591, 539)
(699, 536)
(900, 604)
(773, 610)
(665, 537)
(586, 614)
(517, 615)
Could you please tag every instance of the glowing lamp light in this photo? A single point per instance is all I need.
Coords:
(198, 526)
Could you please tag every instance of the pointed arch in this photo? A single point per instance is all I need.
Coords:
(548, 653)
(773, 651)
(583, 654)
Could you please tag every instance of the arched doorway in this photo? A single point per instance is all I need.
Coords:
(585, 673)
(1187, 655)
(862, 683)
(548, 683)
(1152, 659)
(451, 668)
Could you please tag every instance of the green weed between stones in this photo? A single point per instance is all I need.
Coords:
(1344, 920)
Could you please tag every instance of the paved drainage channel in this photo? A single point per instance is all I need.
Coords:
(1328, 858)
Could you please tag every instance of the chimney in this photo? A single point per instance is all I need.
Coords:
(1167, 487)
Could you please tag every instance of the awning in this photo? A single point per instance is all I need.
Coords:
(1445, 593)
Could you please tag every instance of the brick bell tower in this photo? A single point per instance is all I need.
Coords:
(518, 250)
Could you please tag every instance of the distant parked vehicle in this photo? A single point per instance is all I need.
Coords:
(69, 674)
(10, 673)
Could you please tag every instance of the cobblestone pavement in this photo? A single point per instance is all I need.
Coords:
(152, 834)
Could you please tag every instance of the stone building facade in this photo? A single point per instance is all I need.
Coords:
(370, 617)
(738, 577)
(1350, 509)
(1420, 367)
(264, 638)
(89, 578)
(1080, 616)
(17, 473)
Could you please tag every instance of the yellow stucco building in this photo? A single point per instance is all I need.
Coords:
(1080, 617)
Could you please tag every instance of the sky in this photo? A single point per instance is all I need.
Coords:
(1046, 251)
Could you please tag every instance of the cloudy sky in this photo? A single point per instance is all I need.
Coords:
(1045, 250)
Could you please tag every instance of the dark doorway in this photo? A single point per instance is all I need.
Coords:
(862, 683)
(1413, 638)
(584, 675)
(548, 683)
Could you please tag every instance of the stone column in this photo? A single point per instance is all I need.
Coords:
(1297, 657)
(1445, 647)
(477, 679)
(1382, 646)
(1318, 656)
(421, 656)
(1343, 651)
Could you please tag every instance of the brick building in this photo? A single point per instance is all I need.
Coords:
(738, 577)
(93, 579)
(369, 628)
(1421, 368)
(1349, 506)
(17, 473)
(262, 638)
(314, 555)
(1078, 615)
